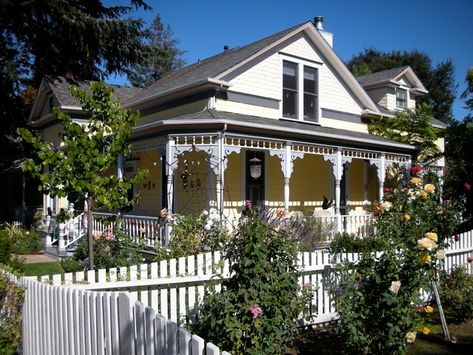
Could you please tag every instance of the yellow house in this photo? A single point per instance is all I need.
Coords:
(280, 122)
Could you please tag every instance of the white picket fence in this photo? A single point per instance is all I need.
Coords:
(175, 287)
(60, 320)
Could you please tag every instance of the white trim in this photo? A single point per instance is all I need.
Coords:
(301, 64)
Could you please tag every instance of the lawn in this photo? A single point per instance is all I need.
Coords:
(39, 269)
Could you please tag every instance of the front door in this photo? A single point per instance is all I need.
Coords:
(255, 173)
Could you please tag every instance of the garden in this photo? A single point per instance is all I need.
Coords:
(258, 309)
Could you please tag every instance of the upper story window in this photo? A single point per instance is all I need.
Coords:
(300, 97)
(401, 98)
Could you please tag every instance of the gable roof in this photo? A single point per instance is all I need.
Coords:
(207, 68)
(392, 76)
(215, 69)
(380, 76)
(59, 87)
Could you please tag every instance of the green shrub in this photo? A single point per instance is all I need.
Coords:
(5, 247)
(111, 249)
(256, 312)
(311, 231)
(193, 233)
(456, 293)
(70, 264)
(377, 297)
(11, 300)
(23, 241)
(350, 243)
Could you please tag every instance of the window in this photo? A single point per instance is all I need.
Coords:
(401, 98)
(290, 86)
(300, 97)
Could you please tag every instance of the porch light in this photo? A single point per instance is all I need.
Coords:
(255, 168)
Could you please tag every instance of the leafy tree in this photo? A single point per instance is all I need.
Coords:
(40, 37)
(167, 59)
(420, 131)
(467, 95)
(80, 167)
(458, 153)
(439, 80)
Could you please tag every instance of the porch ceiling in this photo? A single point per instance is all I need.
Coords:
(271, 128)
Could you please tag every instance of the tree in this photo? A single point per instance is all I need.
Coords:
(80, 168)
(167, 59)
(53, 37)
(411, 127)
(439, 80)
(458, 153)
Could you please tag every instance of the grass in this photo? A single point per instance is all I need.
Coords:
(39, 269)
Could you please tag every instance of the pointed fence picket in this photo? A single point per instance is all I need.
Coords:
(137, 309)
(69, 320)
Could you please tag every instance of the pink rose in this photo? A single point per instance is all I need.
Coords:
(247, 203)
(416, 169)
(467, 186)
(255, 311)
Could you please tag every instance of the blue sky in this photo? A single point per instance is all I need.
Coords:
(440, 28)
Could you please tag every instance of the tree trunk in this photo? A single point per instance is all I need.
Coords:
(90, 234)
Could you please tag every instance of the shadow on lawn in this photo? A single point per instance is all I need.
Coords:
(324, 341)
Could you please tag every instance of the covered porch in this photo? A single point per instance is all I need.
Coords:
(222, 170)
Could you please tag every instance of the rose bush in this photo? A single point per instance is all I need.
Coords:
(257, 309)
(377, 296)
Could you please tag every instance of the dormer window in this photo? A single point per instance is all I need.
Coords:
(300, 97)
(401, 98)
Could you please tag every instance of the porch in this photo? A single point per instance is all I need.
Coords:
(192, 173)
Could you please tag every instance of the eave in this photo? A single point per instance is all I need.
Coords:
(179, 92)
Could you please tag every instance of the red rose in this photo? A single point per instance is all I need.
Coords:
(470, 259)
(386, 189)
(376, 213)
(416, 169)
(467, 186)
(457, 238)
(247, 203)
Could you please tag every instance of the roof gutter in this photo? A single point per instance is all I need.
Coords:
(227, 122)
(370, 113)
(179, 91)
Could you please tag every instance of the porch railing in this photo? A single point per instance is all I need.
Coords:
(359, 225)
(149, 230)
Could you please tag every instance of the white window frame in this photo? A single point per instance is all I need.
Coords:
(301, 63)
(406, 90)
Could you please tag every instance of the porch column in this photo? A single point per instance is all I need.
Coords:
(287, 157)
(381, 172)
(120, 166)
(219, 178)
(170, 168)
(337, 161)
